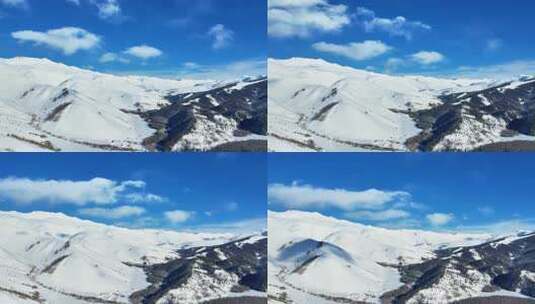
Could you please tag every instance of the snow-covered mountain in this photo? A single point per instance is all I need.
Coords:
(53, 258)
(319, 106)
(48, 106)
(317, 259)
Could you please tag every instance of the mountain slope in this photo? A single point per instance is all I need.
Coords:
(47, 106)
(52, 258)
(316, 259)
(318, 106)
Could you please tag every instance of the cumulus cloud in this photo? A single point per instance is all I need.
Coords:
(107, 8)
(427, 57)
(379, 216)
(232, 70)
(96, 190)
(398, 26)
(246, 226)
(302, 18)
(178, 216)
(507, 226)
(307, 196)
(113, 213)
(143, 52)
(69, 40)
(439, 219)
(356, 50)
(144, 198)
(252, 67)
(221, 36)
(112, 57)
(498, 71)
(191, 65)
(393, 64)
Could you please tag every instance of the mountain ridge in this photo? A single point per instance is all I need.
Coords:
(49, 106)
(320, 106)
(392, 266)
(48, 251)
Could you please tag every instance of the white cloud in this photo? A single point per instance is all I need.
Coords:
(144, 198)
(221, 35)
(306, 196)
(379, 216)
(191, 65)
(498, 71)
(112, 57)
(427, 57)
(301, 18)
(493, 44)
(108, 57)
(232, 70)
(107, 8)
(356, 50)
(16, 3)
(439, 219)
(404, 223)
(393, 64)
(142, 222)
(68, 39)
(246, 226)
(143, 52)
(501, 227)
(179, 216)
(96, 190)
(409, 204)
(398, 26)
(113, 213)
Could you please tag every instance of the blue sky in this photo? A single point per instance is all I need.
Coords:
(472, 38)
(223, 192)
(479, 192)
(170, 38)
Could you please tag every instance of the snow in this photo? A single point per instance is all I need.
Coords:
(505, 293)
(528, 275)
(207, 134)
(447, 290)
(484, 99)
(516, 83)
(242, 84)
(220, 254)
(13, 299)
(362, 275)
(473, 133)
(58, 256)
(48, 106)
(475, 255)
(366, 107)
(195, 290)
